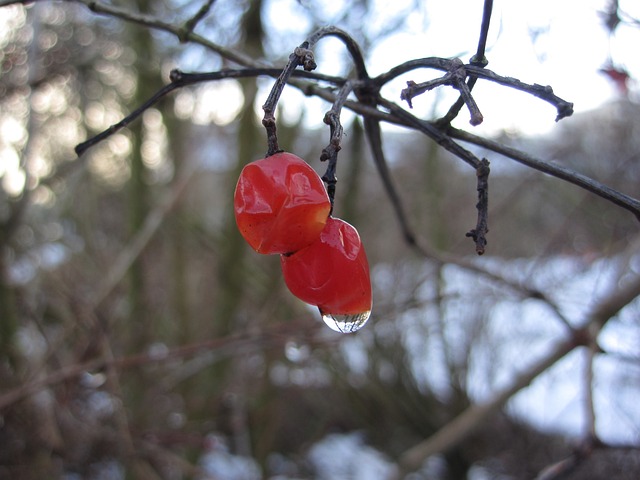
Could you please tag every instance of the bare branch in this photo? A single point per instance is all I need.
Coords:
(582, 181)
(350, 43)
(181, 79)
(564, 108)
(479, 233)
(469, 420)
(190, 24)
(466, 423)
(330, 152)
(543, 92)
(478, 60)
(180, 33)
(456, 77)
(374, 137)
(302, 55)
(439, 136)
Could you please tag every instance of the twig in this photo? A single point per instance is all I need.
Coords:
(469, 420)
(466, 423)
(455, 77)
(302, 55)
(478, 234)
(374, 137)
(190, 24)
(181, 79)
(478, 60)
(543, 92)
(563, 108)
(330, 152)
(349, 42)
(179, 32)
(563, 173)
(439, 136)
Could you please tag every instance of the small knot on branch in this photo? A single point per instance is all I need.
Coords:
(306, 58)
(175, 75)
(409, 92)
(479, 61)
(565, 109)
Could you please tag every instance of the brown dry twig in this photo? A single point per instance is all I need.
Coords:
(482, 227)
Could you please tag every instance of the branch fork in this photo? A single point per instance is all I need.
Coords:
(455, 77)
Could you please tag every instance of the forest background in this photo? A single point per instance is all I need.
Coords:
(141, 338)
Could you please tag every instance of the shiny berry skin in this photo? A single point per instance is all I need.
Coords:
(280, 204)
(332, 273)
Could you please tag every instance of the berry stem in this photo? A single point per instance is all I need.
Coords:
(330, 152)
(300, 56)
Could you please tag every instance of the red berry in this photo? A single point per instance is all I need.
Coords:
(332, 273)
(280, 203)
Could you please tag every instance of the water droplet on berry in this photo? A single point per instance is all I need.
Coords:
(346, 323)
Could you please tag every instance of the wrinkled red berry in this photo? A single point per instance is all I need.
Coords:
(280, 204)
(331, 273)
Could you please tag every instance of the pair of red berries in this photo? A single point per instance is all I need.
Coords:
(282, 207)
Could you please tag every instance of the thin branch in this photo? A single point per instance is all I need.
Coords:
(180, 33)
(374, 137)
(563, 108)
(352, 47)
(439, 136)
(478, 60)
(435, 63)
(190, 24)
(479, 233)
(563, 173)
(181, 79)
(455, 77)
(302, 55)
(588, 385)
(468, 421)
(543, 92)
(330, 152)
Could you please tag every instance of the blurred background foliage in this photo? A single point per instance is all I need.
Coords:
(141, 338)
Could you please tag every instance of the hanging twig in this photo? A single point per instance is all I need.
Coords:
(479, 233)
(330, 152)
